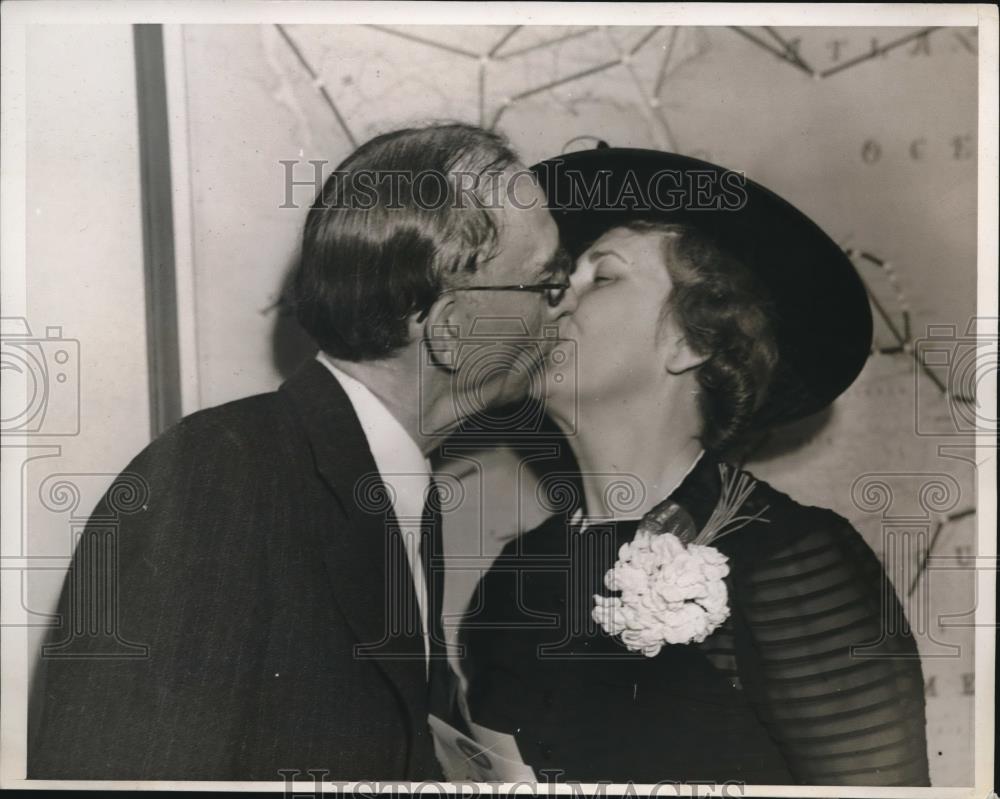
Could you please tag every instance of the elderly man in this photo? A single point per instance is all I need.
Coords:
(275, 572)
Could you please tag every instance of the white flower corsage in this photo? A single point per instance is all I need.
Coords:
(672, 592)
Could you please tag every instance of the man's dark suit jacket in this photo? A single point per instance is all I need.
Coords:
(252, 572)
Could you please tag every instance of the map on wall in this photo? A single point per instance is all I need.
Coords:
(871, 132)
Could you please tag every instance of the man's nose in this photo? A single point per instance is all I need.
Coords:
(569, 301)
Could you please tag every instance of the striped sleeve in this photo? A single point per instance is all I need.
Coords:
(829, 662)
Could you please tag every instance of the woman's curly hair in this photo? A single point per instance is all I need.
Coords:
(725, 315)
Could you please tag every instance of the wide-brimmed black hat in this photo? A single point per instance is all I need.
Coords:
(822, 318)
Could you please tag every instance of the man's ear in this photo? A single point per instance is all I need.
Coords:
(441, 330)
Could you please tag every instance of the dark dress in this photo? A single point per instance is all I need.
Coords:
(773, 696)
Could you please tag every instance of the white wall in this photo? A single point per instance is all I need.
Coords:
(85, 273)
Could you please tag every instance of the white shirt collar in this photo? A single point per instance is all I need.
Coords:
(402, 467)
(399, 460)
(578, 516)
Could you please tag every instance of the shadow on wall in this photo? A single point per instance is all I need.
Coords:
(785, 439)
(290, 344)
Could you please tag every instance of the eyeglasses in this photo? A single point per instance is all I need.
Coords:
(554, 293)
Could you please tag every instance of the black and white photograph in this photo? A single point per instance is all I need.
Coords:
(491, 398)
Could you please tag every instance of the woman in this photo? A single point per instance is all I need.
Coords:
(683, 620)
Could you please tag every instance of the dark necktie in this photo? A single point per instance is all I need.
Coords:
(443, 683)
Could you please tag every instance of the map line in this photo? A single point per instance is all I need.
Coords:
(428, 42)
(551, 85)
(877, 51)
(902, 342)
(765, 46)
(539, 45)
(662, 76)
(318, 83)
(789, 50)
(652, 103)
(901, 339)
(482, 94)
(922, 567)
(503, 40)
(645, 38)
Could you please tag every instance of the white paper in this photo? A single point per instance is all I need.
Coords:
(465, 759)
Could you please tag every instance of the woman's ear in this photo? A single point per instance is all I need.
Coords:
(682, 358)
(440, 328)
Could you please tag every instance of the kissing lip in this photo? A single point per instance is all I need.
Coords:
(567, 323)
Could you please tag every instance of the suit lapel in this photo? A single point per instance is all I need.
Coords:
(367, 563)
(432, 558)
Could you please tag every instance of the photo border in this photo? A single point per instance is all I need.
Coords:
(18, 15)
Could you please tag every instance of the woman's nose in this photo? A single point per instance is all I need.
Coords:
(582, 279)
